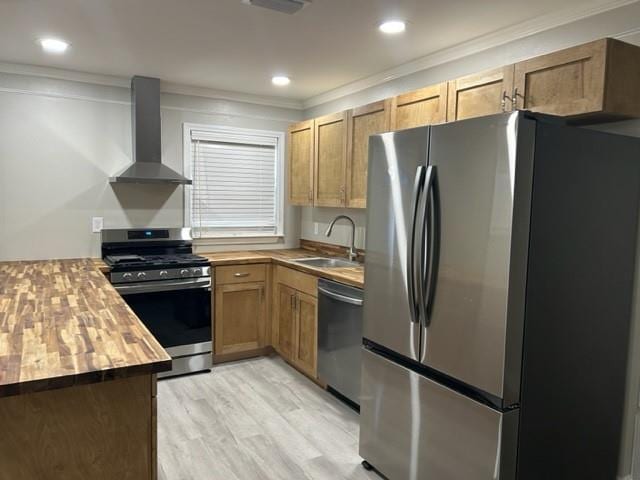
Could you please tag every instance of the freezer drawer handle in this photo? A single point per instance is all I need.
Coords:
(340, 298)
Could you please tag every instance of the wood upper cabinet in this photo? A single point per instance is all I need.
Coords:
(240, 311)
(364, 121)
(426, 106)
(330, 160)
(305, 354)
(480, 94)
(600, 77)
(328, 156)
(300, 172)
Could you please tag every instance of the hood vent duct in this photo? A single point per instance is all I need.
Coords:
(282, 6)
(147, 166)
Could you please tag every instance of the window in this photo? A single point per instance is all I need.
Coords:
(237, 187)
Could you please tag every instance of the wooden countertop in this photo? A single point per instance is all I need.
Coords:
(350, 275)
(63, 324)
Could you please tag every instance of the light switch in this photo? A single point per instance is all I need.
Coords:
(96, 224)
(316, 228)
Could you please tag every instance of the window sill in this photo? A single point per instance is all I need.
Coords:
(244, 240)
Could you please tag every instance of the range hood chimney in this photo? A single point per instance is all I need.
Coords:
(147, 166)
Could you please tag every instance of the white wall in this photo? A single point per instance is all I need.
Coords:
(318, 219)
(60, 141)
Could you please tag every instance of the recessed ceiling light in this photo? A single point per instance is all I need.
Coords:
(281, 80)
(54, 45)
(392, 26)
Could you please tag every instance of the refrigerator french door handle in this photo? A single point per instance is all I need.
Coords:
(431, 244)
(418, 187)
(423, 259)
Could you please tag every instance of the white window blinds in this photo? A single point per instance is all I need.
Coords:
(234, 191)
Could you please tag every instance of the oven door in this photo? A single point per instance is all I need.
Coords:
(176, 312)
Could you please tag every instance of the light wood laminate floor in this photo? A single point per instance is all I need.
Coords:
(256, 419)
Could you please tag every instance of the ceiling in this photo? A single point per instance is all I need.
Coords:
(226, 45)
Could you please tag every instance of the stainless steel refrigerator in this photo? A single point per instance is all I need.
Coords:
(498, 294)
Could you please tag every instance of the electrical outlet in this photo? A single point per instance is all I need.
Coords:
(97, 223)
(316, 228)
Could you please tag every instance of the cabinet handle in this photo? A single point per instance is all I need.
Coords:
(240, 274)
(506, 98)
(310, 195)
(293, 302)
(260, 293)
(514, 101)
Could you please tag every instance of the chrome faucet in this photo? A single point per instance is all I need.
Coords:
(353, 255)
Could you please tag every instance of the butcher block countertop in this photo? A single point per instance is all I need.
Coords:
(350, 275)
(63, 324)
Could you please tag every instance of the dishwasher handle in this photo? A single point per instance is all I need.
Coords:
(340, 298)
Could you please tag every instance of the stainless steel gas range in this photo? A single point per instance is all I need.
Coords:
(168, 287)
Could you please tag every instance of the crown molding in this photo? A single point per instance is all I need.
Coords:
(179, 89)
(476, 45)
(165, 87)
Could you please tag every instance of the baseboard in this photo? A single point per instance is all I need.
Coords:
(232, 357)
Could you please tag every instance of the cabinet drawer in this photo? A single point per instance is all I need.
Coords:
(240, 274)
(302, 282)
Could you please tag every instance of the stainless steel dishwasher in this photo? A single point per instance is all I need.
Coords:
(340, 338)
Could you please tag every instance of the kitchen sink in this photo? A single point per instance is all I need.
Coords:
(323, 262)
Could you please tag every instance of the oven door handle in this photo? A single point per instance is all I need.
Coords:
(164, 286)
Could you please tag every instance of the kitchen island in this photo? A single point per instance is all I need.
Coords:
(77, 376)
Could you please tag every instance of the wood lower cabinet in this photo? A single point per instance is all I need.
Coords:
(595, 79)
(300, 172)
(480, 94)
(305, 352)
(295, 319)
(425, 106)
(364, 121)
(240, 309)
(330, 160)
(98, 431)
(285, 317)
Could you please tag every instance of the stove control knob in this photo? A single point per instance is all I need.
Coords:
(184, 272)
(141, 275)
(126, 276)
(196, 271)
(163, 273)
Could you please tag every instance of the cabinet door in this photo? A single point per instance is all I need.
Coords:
(364, 121)
(480, 94)
(420, 107)
(330, 157)
(306, 334)
(301, 163)
(239, 317)
(285, 311)
(568, 82)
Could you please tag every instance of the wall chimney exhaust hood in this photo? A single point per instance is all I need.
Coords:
(147, 166)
